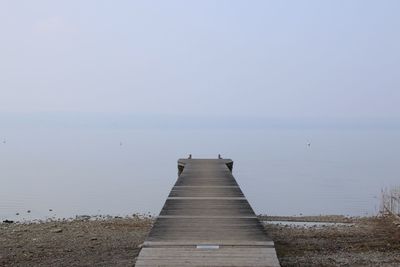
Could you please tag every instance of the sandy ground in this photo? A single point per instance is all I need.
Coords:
(102, 242)
(115, 242)
(363, 242)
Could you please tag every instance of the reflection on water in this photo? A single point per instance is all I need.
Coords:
(120, 172)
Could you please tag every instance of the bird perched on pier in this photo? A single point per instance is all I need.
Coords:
(219, 156)
(190, 156)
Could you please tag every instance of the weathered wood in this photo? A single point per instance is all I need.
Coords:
(207, 221)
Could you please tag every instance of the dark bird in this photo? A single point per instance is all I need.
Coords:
(190, 156)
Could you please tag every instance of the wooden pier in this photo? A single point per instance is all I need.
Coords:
(207, 221)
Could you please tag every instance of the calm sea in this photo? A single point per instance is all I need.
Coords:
(52, 171)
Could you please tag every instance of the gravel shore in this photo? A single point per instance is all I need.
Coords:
(353, 242)
(81, 242)
(108, 241)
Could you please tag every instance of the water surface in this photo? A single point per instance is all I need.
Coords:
(120, 171)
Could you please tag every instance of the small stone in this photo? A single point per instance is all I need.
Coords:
(58, 230)
(93, 238)
(8, 221)
(83, 217)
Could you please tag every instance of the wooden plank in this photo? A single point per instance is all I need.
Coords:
(206, 191)
(199, 257)
(207, 221)
(221, 243)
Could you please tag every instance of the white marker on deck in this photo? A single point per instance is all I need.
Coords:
(207, 246)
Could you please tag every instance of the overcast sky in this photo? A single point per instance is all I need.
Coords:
(278, 59)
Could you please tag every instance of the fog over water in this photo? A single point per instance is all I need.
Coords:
(290, 168)
(99, 99)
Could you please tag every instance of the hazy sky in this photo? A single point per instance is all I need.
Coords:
(93, 92)
(232, 58)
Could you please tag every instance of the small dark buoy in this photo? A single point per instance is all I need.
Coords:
(50, 210)
(17, 213)
(28, 211)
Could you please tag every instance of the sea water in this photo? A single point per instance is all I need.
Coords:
(52, 171)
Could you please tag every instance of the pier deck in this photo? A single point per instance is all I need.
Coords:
(207, 221)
